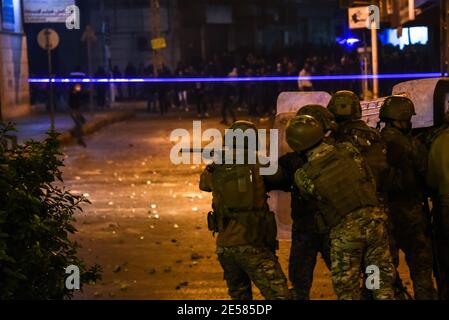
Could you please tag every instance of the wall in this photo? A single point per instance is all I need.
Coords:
(14, 88)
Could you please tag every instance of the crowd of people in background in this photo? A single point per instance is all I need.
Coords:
(258, 97)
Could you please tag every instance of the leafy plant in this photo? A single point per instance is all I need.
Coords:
(36, 220)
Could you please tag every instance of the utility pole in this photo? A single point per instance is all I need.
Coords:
(155, 19)
(89, 37)
(375, 61)
(444, 36)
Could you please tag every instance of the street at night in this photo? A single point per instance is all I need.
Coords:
(214, 152)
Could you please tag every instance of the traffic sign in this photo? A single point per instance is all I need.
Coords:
(158, 43)
(48, 39)
(358, 17)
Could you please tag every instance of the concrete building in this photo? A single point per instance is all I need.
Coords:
(194, 29)
(14, 89)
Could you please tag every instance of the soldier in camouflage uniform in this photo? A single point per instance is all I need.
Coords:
(346, 107)
(246, 241)
(337, 179)
(307, 240)
(438, 181)
(407, 158)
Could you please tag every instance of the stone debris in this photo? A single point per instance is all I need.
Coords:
(124, 287)
(195, 256)
(167, 269)
(117, 268)
(151, 271)
(182, 284)
(175, 226)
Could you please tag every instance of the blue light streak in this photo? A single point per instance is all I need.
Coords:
(239, 79)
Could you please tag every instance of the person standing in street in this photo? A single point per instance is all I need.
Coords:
(75, 113)
(229, 98)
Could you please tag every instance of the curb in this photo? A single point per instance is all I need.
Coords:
(98, 122)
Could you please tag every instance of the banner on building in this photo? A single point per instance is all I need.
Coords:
(8, 21)
(46, 11)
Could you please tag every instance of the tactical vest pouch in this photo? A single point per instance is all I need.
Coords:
(233, 185)
(369, 142)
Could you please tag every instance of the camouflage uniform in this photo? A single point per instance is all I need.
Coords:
(243, 264)
(360, 238)
(373, 149)
(246, 240)
(368, 141)
(407, 158)
(307, 242)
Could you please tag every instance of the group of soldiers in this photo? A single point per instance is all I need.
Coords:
(358, 196)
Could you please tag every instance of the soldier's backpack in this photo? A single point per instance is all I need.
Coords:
(369, 143)
(239, 193)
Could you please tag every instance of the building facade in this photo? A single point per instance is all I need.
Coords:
(194, 30)
(14, 88)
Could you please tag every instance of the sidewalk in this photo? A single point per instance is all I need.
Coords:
(35, 126)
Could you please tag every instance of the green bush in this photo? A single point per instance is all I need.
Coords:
(36, 219)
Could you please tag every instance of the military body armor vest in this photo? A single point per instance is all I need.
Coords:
(341, 186)
(239, 193)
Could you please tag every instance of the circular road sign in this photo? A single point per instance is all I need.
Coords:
(48, 39)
